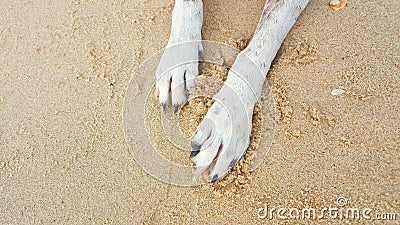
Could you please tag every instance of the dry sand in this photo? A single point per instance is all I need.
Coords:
(64, 69)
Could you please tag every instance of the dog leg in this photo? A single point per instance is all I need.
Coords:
(223, 135)
(178, 66)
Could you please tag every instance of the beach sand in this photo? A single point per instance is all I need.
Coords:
(64, 70)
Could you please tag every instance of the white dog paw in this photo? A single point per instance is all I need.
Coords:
(178, 66)
(176, 73)
(223, 135)
(220, 140)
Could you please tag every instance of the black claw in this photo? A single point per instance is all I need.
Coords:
(196, 147)
(176, 109)
(213, 180)
(232, 164)
(194, 153)
(195, 150)
(164, 106)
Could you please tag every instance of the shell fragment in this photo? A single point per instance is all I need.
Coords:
(337, 4)
(337, 91)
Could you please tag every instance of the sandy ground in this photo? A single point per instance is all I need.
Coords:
(64, 69)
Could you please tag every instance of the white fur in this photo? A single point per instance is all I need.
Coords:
(183, 47)
(228, 122)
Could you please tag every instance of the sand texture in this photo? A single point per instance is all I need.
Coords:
(64, 70)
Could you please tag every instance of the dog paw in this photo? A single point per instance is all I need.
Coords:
(220, 139)
(176, 73)
(223, 135)
(178, 66)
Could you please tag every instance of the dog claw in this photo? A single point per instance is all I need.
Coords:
(213, 180)
(176, 109)
(232, 164)
(164, 106)
(194, 153)
(196, 147)
(195, 150)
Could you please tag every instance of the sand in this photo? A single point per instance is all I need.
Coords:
(64, 70)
